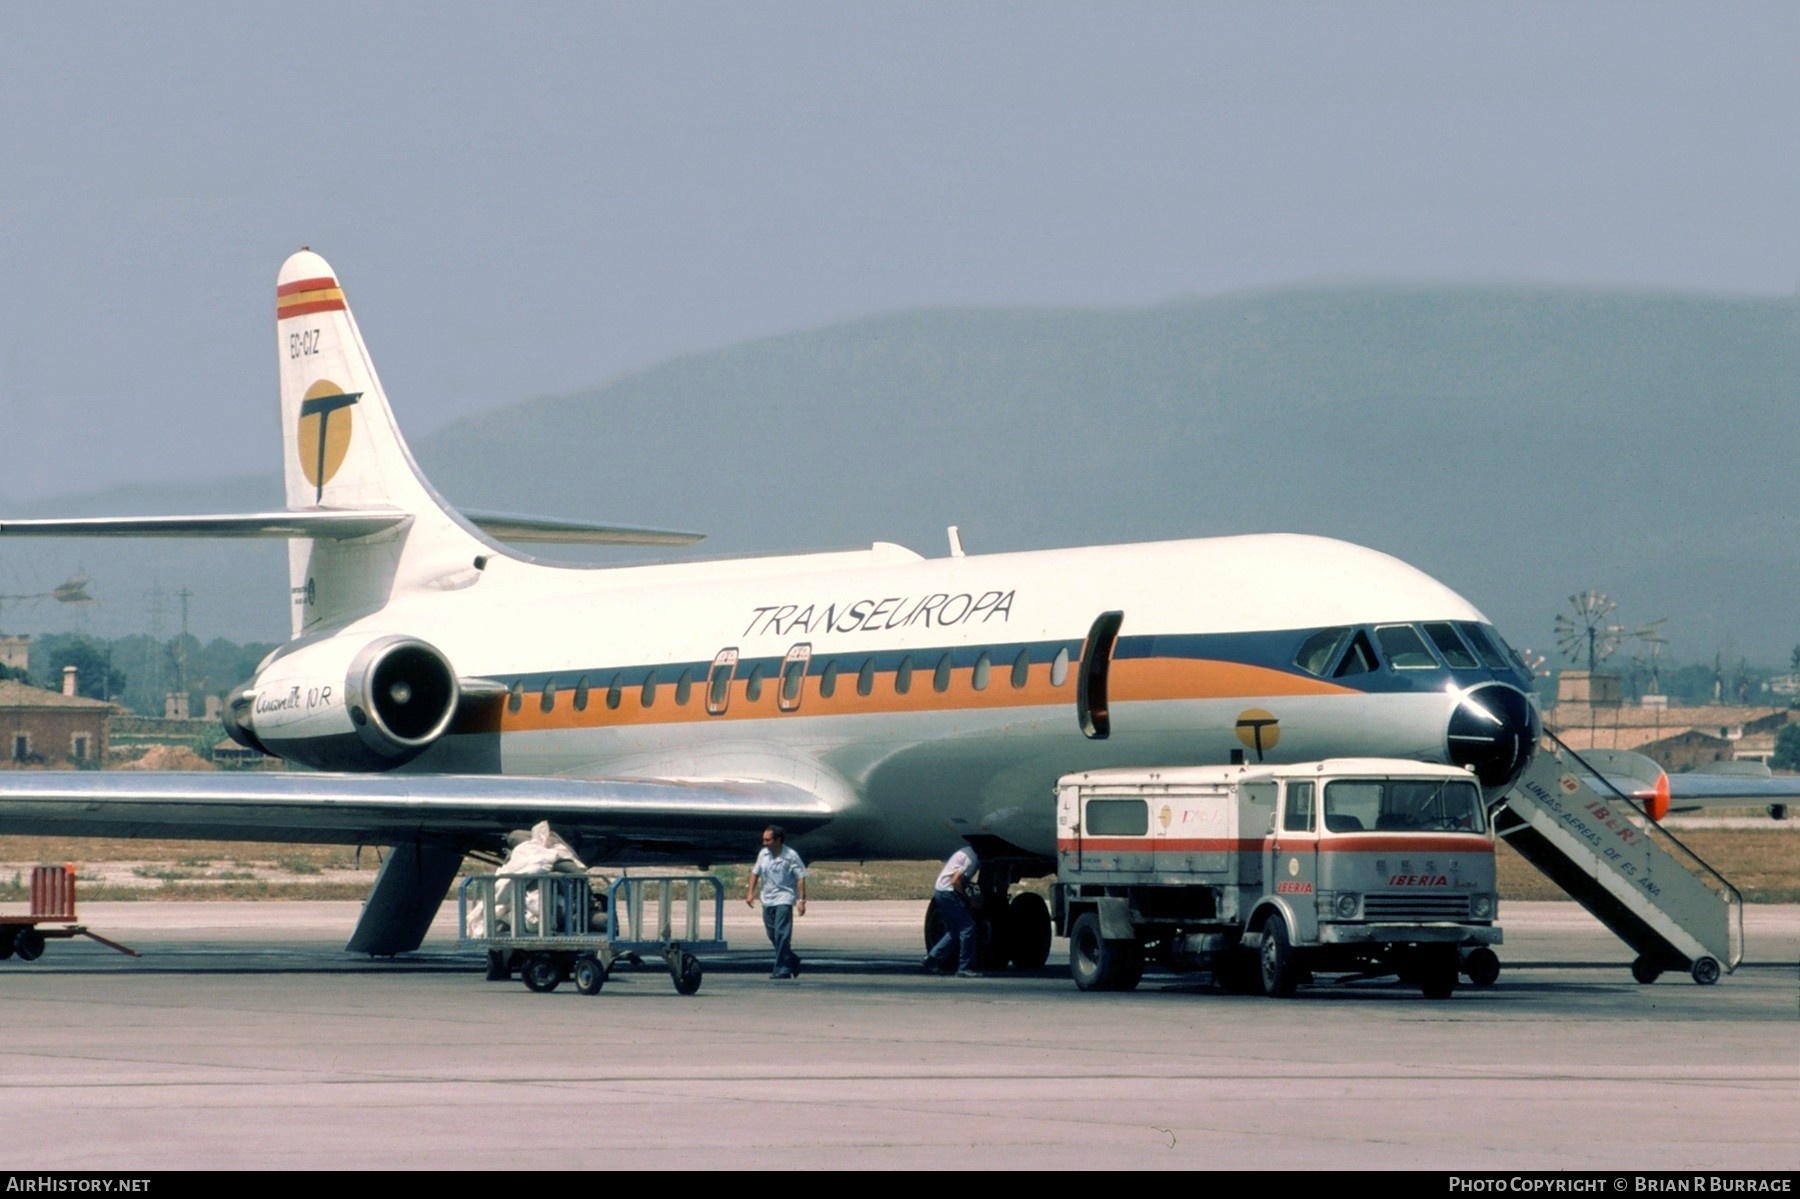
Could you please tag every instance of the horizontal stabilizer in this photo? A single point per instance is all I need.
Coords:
(340, 524)
(319, 524)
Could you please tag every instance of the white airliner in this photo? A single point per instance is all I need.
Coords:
(877, 703)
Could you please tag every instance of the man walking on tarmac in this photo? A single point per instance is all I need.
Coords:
(952, 899)
(783, 877)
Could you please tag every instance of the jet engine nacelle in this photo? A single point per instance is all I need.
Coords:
(347, 703)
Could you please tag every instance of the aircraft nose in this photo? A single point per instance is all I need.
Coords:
(1494, 731)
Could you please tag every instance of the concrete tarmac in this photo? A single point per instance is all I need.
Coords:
(245, 1038)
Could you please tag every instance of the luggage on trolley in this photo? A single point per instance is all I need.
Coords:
(552, 927)
(52, 904)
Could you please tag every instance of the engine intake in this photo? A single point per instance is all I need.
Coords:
(347, 703)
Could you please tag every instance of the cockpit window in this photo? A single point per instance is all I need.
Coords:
(1484, 641)
(1403, 647)
(1443, 635)
(1316, 652)
(1359, 657)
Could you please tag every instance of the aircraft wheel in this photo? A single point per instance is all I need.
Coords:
(542, 972)
(1028, 931)
(1482, 966)
(590, 975)
(1645, 970)
(686, 973)
(1276, 960)
(1706, 971)
(934, 925)
(28, 943)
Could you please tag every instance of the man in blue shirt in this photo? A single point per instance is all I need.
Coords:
(783, 877)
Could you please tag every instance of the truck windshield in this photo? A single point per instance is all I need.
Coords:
(1403, 805)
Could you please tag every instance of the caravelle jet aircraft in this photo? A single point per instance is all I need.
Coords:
(444, 690)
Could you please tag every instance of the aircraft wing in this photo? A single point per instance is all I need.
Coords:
(464, 811)
(338, 524)
(1722, 785)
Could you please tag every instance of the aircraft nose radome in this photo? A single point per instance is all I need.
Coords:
(1493, 730)
(304, 265)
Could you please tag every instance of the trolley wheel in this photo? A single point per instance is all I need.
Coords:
(28, 943)
(1645, 970)
(1482, 966)
(1706, 971)
(542, 972)
(499, 969)
(685, 971)
(590, 975)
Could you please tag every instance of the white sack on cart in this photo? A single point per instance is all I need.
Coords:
(539, 852)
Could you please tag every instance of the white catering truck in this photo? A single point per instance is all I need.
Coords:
(1265, 875)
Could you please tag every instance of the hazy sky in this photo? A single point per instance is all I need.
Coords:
(534, 200)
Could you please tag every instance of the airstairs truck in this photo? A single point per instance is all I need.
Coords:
(1268, 875)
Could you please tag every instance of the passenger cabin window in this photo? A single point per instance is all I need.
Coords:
(647, 696)
(684, 687)
(1059, 667)
(753, 683)
(581, 693)
(516, 697)
(1443, 634)
(615, 691)
(1117, 818)
(1404, 649)
(828, 679)
(1297, 816)
(865, 678)
(1021, 671)
(547, 702)
(940, 678)
(978, 678)
(903, 676)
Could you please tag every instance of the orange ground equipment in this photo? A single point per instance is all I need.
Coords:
(52, 901)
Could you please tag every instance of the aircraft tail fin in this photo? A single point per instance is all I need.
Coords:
(342, 449)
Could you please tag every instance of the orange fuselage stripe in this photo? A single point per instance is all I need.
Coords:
(1131, 680)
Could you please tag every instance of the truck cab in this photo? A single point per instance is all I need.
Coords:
(1269, 875)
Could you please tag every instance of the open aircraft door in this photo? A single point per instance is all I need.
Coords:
(1090, 685)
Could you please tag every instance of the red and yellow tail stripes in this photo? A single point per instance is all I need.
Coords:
(304, 296)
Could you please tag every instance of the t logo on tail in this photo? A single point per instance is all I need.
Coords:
(323, 441)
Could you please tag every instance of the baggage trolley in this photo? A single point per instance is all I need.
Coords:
(52, 899)
(551, 927)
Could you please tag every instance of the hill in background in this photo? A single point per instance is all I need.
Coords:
(1518, 443)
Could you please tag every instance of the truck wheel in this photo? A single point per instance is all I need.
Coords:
(1645, 970)
(1131, 965)
(1028, 931)
(498, 968)
(1278, 976)
(1094, 962)
(1437, 974)
(6, 943)
(1706, 970)
(542, 972)
(1482, 966)
(29, 945)
(590, 975)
